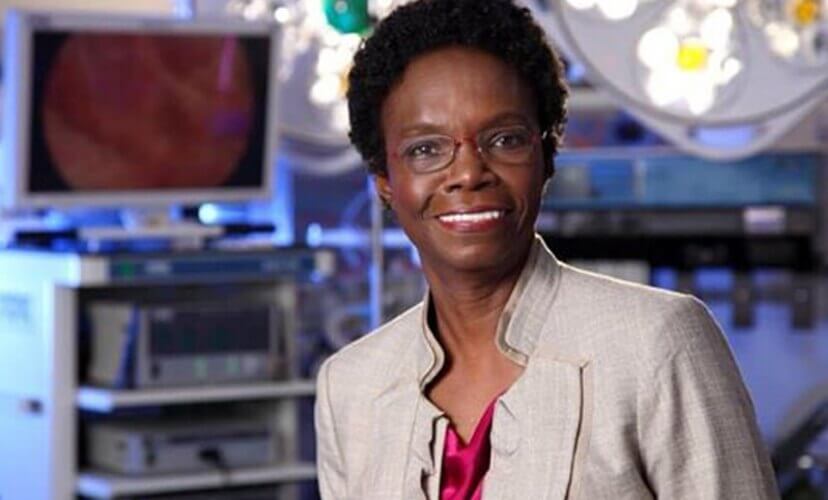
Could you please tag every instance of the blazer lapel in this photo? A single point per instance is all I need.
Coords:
(423, 464)
(535, 432)
(394, 413)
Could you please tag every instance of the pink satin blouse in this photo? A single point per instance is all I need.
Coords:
(465, 465)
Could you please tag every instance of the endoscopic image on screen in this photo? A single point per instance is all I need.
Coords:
(140, 111)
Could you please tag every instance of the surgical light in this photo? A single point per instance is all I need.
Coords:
(581, 4)
(613, 10)
(804, 12)
(617, 9)
(689, 58)
(795, 30)
(692, 55)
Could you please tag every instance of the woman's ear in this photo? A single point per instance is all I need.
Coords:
(383, 188)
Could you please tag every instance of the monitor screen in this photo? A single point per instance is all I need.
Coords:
(162, 112)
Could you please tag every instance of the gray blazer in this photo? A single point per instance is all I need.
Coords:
(627, 392)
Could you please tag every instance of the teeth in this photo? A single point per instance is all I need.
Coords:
(475, 217)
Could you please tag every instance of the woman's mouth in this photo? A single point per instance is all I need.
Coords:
(472, 221)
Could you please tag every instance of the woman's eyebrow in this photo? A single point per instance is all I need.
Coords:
(508, 118)
(421, 128)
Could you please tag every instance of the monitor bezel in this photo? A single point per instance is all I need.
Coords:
(20, 29)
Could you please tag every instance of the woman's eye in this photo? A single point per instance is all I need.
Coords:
(423, 149)
(510, 139)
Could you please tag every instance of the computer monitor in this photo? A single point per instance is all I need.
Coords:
(103, 111)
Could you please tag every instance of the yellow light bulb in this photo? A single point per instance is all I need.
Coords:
(692, 55)
(804, 12)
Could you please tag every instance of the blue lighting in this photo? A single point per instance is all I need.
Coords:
(349, 237)
(313, 235)
(282, 206)
(725, 137)
(575, 73)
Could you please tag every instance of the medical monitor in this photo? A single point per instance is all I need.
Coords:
(119, 112)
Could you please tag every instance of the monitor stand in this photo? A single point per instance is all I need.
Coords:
(133, 227)
(139, 224)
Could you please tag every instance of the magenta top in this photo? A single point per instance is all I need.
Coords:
(465, 465)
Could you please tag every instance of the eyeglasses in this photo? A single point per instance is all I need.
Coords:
(511, 145)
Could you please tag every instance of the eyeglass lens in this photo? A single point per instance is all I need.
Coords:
(506, 145)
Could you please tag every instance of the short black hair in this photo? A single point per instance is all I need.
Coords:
(498, 27)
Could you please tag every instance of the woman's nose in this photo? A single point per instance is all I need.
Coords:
(469, 170)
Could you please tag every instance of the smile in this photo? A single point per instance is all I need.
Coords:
(489, 215)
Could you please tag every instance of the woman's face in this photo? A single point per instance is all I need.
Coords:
(477, 213)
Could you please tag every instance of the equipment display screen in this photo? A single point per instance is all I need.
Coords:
(205, 332)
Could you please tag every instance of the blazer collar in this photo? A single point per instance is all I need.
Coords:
(520, 324)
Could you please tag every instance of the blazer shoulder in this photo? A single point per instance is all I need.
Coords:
(610, 288)
(662, 322)
(361, 361)
(616, 295)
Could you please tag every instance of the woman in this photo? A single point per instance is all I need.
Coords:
(518, 377)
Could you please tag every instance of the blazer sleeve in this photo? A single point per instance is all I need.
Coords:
(329, 461)
(697, 428)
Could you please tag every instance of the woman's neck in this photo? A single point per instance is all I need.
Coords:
(468, 307)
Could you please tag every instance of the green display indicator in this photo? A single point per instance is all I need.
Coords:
(125, 270)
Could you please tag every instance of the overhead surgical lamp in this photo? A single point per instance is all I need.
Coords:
(796, 30)
(613, 10)
(722, 79)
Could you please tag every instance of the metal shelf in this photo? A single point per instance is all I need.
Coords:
(104, 400)
(102, 485)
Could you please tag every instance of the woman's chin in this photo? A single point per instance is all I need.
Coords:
(479, 259)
